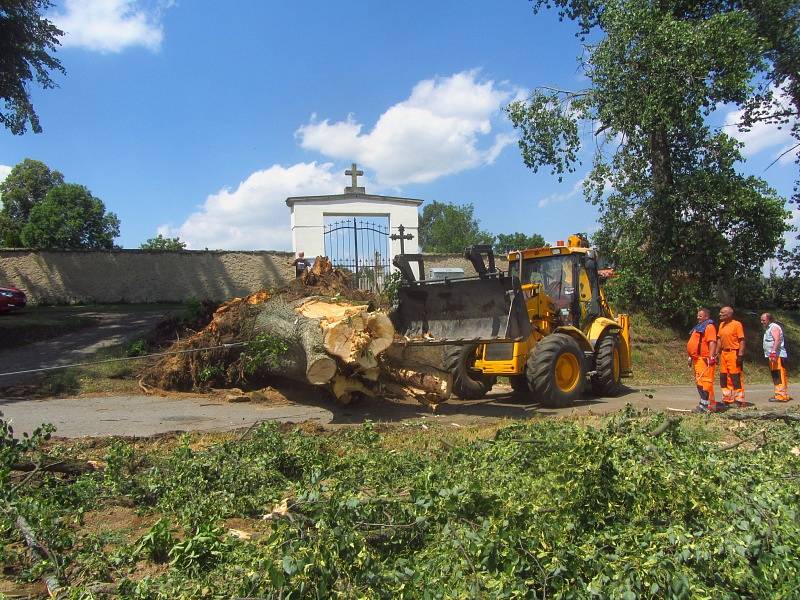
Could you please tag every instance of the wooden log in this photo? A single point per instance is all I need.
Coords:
(346, 388)
(350, 333)
(305, 358)
(65, 466)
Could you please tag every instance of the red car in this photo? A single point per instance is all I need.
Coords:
(12, 299)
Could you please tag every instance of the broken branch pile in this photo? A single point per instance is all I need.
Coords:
(318, 330)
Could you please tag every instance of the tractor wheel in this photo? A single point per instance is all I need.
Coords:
(519, 383)
(607, 380)
(556, 371)
(467, 384)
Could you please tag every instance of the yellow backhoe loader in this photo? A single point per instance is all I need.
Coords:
(545, 323)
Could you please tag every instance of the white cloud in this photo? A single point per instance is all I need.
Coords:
(762, 136)
(563, 197)
(445, 126)
(255, 215)
(112, 25)
(4, 171)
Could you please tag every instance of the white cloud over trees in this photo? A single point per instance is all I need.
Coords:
(764, 136)
(111, 25)
(254, 216)
(443, 127)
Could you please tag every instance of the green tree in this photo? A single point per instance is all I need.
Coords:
(25, 186)
(70, 217)
(676, 218)
(163, 243)
(27, 41)
(505, 242)
(445, 227)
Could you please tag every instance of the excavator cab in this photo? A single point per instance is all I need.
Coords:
(545, 323)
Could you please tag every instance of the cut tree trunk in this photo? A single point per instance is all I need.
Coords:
(328, 342)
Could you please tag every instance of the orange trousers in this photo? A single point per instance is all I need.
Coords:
(704, 377)
(777, 369)
(731, 378)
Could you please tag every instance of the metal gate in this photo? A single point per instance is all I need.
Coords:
(361, 247)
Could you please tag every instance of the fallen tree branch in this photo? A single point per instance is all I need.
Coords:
(764, 416)
(67, 467)
(741, 441)
(39, 553)
(668, 423)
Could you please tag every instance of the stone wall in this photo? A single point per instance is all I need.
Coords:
(133, 276)
(60, 277)
(433, 261)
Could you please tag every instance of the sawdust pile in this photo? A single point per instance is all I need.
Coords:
(234, 322)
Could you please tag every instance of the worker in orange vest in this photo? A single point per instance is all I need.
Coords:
(702, 350)
(730, 356)
(775, 352)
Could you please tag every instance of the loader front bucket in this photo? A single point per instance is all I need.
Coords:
(462, 311)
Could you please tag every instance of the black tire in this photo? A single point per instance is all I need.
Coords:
(519, 383)
(467, 384)
(607, 380)
(556, 371)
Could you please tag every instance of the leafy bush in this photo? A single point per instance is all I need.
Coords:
(263, 349)
(157, 543)
(137, 348)
(548, 508)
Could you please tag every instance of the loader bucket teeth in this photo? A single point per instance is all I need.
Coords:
(462, 311)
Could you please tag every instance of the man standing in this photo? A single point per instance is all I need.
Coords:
(300, 265)
(731, 357)
(702, 350)
(775, 352)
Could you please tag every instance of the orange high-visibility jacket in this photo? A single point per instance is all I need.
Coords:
(701, 335)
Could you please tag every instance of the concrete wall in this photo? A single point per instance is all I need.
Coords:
(67, 276)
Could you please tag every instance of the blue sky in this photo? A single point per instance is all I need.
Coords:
(197, 118)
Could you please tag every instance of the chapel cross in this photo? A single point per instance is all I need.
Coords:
(354, 174)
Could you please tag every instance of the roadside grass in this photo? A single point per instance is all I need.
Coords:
(37, 323)
(108, 378)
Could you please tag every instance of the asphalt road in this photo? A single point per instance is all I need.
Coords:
(147, 415)
(113, 328)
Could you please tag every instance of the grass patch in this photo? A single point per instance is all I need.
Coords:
(37, 323)
(112, 377)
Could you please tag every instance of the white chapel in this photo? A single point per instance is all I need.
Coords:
(355, 227)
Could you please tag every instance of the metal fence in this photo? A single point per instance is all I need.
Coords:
(362, 248)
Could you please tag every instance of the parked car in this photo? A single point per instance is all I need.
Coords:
(12, 299)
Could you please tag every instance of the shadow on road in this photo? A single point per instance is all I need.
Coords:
(501, 403)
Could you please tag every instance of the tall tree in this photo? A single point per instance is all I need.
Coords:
(25, 186)
(445, 227)
(70, 217)
(27, 41)
(505, 242)
(163, 243)
(676, 217)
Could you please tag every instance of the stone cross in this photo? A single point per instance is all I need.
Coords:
(354, 174)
